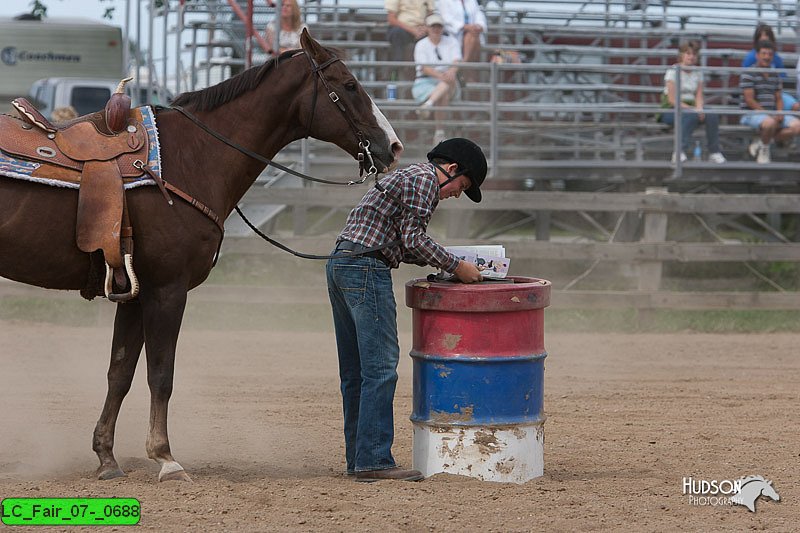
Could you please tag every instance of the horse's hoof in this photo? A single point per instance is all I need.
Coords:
(179, 475)
(172, 470)
(110, 473)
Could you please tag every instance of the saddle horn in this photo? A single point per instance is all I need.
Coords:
(118, 108)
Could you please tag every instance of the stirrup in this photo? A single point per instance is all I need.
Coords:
(109, 285)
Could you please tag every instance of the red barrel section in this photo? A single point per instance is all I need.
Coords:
(489, 319)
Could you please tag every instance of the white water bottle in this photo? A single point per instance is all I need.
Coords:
(698, 152)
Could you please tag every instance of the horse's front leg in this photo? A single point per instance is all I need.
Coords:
(125, 349)
(163, 312)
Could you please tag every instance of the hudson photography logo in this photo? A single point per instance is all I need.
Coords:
(743, 491)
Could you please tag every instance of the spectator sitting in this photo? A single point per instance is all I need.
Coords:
(436, 81)
(464, 20)
(691, 101)
(406, 19)
(291, 25)
(764, 33)
(63, 114)
(762, 91)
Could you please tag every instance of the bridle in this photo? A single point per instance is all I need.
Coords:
(364, 155)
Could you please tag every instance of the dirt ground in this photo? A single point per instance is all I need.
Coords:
(255, 420)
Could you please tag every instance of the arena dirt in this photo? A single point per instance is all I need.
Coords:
(255, 419)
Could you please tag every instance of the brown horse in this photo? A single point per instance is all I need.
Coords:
(263, 109)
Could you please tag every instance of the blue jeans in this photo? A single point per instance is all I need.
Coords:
(689, 122)
(365, 321)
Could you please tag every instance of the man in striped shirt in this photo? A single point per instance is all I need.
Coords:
(392, 216)
(762, 91)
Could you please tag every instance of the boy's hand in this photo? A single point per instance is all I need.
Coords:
(468, 272)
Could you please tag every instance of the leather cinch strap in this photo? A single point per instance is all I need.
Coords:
(164, 185)
(194, 202)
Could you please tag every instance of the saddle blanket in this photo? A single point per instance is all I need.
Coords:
(21, 169)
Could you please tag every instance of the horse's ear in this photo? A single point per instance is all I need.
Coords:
(312, 47)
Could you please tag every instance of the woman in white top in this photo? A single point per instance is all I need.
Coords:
(291, 27)
(436, 81)
(691, 102)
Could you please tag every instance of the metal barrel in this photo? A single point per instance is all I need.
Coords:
(478, 357)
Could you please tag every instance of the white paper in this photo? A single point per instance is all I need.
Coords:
(490, 258)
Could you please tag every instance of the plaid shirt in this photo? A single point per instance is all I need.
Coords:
(378, 220)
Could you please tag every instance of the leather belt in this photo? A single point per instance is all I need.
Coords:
(354, 247)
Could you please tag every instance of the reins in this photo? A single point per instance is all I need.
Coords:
(386, 194)
(364, 158)
(261, 158)
(310, 256)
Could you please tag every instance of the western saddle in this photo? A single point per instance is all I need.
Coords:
(88, 151)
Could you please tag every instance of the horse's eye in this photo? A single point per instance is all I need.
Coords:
(350, 86)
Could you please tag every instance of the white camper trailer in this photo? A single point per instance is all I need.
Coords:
(88, 52)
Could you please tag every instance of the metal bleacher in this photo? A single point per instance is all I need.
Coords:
(576, 112)
(580, 171)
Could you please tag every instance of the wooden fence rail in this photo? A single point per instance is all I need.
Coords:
(553, 201)
(646, 256)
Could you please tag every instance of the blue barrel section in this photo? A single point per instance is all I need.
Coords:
(478, 391)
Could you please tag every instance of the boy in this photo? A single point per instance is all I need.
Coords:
(396, 214)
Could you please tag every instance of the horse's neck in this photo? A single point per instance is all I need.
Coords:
(221, 174)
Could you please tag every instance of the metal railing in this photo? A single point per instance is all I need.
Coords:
(556, 116)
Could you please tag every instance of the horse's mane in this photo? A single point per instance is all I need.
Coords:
(212, 97)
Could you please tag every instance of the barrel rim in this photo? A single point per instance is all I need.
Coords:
(537, 421)
(530, 282)
(416, 354)
(426, 295)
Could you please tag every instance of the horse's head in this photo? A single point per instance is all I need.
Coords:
(750, 488)
(769, 491)
(342, 112)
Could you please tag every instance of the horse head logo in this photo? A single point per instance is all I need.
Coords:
(751, 487)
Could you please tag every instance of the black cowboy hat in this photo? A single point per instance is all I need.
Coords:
(469, 158)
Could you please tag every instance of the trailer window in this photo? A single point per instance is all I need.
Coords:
(89, 99)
